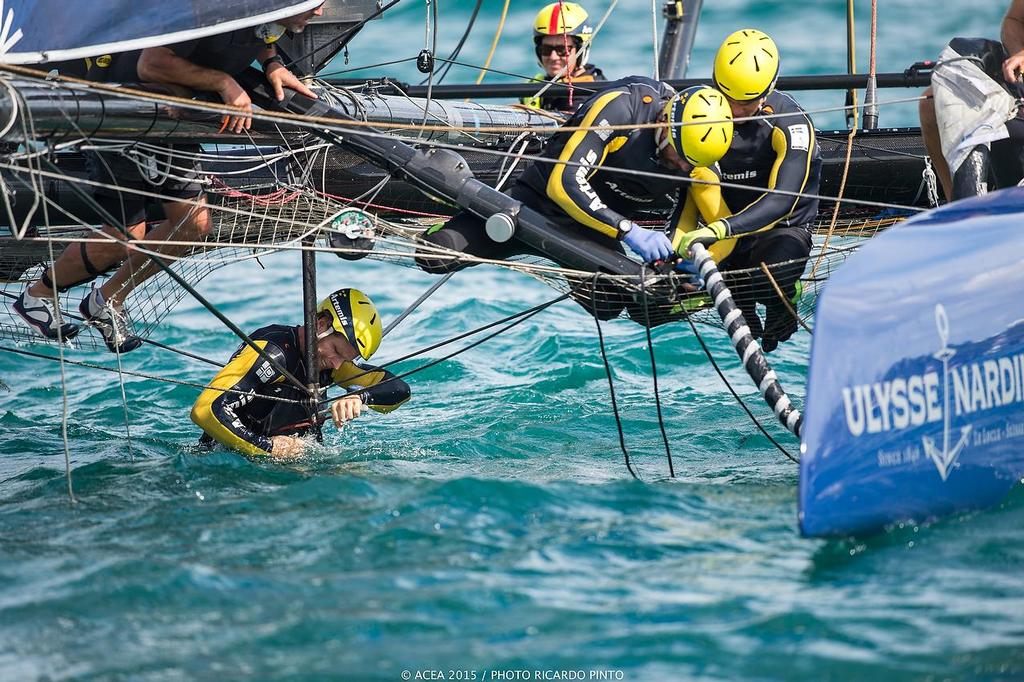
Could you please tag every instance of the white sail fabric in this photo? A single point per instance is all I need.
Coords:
(970, 107)
(40, 31)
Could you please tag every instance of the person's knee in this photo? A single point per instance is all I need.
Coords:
(202, 224)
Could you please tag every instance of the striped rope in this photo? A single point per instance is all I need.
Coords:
(747, 348)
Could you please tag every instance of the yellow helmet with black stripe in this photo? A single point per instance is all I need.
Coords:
(699, 125)
(746, 65)
(354, 316)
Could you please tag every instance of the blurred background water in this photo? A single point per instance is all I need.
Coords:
(489, 524)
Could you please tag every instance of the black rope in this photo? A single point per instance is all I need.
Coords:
(522, 315)
(654, 369)
(611, 381)
(152, 377)
(366, 67)
(462, 41)
(721, 375)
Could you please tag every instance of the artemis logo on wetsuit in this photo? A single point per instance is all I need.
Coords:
(745, 175)
(586, 164)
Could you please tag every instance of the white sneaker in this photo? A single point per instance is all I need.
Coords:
(111, 322)
(39, 314)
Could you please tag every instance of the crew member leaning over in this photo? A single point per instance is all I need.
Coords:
(578, 186)
(774, 149)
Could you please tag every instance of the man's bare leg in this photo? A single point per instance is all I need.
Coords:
(70, 268)
(932, 143)
(187, 221)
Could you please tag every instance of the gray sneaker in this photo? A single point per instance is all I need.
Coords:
(39, 314)
(111, 322)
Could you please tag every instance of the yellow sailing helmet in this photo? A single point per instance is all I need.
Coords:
(699, 125)
(564, 19)
(746, 65)
(354, 316)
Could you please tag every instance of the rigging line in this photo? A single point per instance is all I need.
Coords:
(654, 369)
(340, 38)
(494, 43)
(654, 37)
(462, 41)
(611, 381)
(839, 199)
(782, 297)
(528, 79)
(739, 400)
(529, 312)
(367, 67)
(317, 122)
(430, 27)
(94, 205)
(27, 126)
(151, 342)
(416, 304)
(151, 377)
(523, 316)
(124, 406)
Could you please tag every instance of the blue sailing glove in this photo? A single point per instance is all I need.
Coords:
(706, 235)
(650, 245)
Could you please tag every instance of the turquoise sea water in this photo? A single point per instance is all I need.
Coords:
(489, 526)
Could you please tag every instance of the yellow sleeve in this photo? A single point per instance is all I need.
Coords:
(704, 198)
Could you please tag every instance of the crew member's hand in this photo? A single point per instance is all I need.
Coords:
(287, 447)
(1013, 66)
(235, 96)
(650, 245)
(280, 78)
(707, 235)
(346, 409)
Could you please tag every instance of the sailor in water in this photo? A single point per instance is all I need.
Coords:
(239, 409)
(592, 197)
(561, 39)
(122, 176)
(774, 148)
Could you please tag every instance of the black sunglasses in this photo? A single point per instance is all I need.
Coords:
(561, 50)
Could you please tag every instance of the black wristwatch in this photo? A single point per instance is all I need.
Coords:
(271, 60)
(624, 227)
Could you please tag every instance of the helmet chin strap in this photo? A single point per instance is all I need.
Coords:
(663, 139)
(324, 334)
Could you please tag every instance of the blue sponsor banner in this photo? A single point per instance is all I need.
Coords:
(36, 31)
(915, 397)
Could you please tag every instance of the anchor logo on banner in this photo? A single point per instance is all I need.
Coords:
(946, 458)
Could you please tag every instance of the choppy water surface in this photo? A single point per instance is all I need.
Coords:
(489, 526)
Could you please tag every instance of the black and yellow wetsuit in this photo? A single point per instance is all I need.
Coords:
(559, 101)
(590, 196)
(776, 152)
(245, 420)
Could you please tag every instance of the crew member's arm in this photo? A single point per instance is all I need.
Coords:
(569, 186)
(171, 65)
(703, 201)
(793, 142)
(1012, 34)
(217, 411)
(381, 391)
